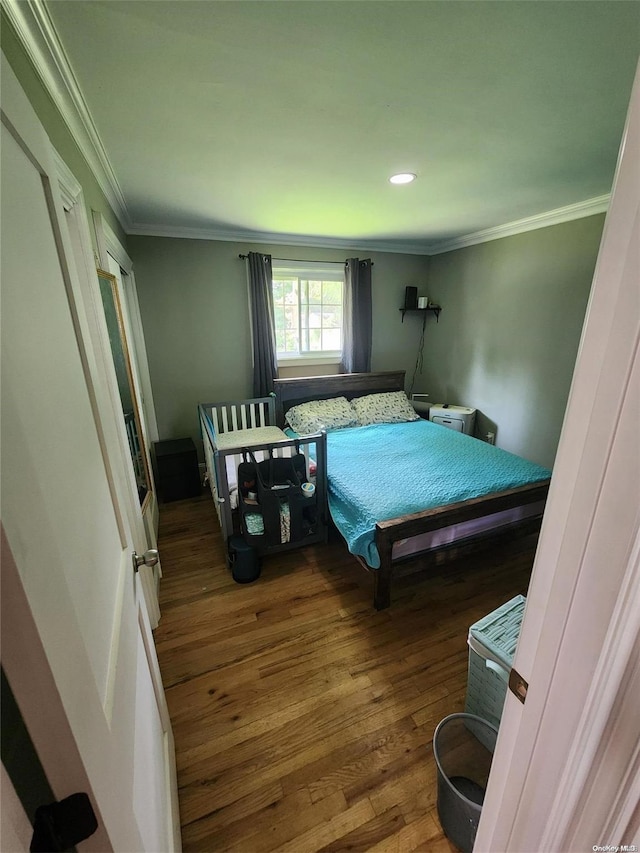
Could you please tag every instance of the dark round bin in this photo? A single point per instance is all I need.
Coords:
(244, 561)
(463, 746)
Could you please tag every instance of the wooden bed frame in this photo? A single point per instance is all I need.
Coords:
(291, 392)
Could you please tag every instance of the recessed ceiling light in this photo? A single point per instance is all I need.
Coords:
(402, 178)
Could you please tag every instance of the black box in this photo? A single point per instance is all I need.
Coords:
(178, 475)
(411, 297)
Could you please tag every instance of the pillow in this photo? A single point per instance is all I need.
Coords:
(321, 414)
(389, 408)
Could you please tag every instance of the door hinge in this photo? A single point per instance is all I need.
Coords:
(517, 685)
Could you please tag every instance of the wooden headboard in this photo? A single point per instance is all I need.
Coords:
(292, 392)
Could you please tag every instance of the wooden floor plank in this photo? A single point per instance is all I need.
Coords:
(371, 833)
(199, 833)
(303, 719)
(413, 836)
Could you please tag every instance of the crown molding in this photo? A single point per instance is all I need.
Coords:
(37, 34)
(404, 247)
(580, 210)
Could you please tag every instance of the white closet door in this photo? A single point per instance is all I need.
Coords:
(68, 550)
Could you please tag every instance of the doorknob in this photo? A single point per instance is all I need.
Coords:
(149, 558)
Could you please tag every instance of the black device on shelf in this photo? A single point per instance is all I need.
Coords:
(410, 297)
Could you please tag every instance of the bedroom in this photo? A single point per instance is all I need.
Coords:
(552, 266)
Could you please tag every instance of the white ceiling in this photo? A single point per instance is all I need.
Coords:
(286, 119)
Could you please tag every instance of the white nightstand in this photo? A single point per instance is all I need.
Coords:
(459, 418)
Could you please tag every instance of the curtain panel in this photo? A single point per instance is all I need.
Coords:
(263, 336)
(356, 355)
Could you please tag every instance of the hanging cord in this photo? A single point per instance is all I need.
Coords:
(418, 367)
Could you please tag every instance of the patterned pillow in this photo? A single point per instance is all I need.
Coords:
(321, 414)
(389, 408)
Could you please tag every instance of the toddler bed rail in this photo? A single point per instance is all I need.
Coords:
(241, 435)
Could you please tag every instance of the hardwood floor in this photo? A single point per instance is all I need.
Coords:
(302, 717)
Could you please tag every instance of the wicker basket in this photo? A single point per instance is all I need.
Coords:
(492, 645)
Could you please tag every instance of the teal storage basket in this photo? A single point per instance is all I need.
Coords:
(492, 645)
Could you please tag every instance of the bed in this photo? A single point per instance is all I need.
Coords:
(240, 435)
(378, 477)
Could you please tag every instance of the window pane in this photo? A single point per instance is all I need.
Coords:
(332, 292)
(315, 340)
(278, 290)
(291, 341)
(291, 317)
(315, 317)
(315, 291)
(332, 317)
(307, 310)
(331, 339)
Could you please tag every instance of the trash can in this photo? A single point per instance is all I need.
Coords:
(244, 561)
(463, 761)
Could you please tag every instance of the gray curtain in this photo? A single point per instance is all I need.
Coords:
(263, 336)
(356, 355)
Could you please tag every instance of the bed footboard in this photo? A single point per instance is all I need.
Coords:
(390, 532)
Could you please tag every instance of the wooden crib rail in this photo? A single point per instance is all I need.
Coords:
(241, 414)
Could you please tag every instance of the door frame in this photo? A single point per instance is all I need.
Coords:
(556, 783)
(109, 246)
(84, 259)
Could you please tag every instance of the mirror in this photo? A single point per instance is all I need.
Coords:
(122, 363)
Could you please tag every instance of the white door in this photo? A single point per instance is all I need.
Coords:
(67, 554)
(566, 772)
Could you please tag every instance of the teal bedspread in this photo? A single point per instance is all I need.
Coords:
(384, 471)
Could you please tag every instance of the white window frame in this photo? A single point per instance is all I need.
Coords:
(327, 271)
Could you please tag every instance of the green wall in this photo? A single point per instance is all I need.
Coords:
(56, 128)
(195, 313)
(509, 331)
(505, 343)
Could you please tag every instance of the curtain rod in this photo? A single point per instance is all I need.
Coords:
(299, 261)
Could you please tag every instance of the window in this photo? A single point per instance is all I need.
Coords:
(307, 300)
